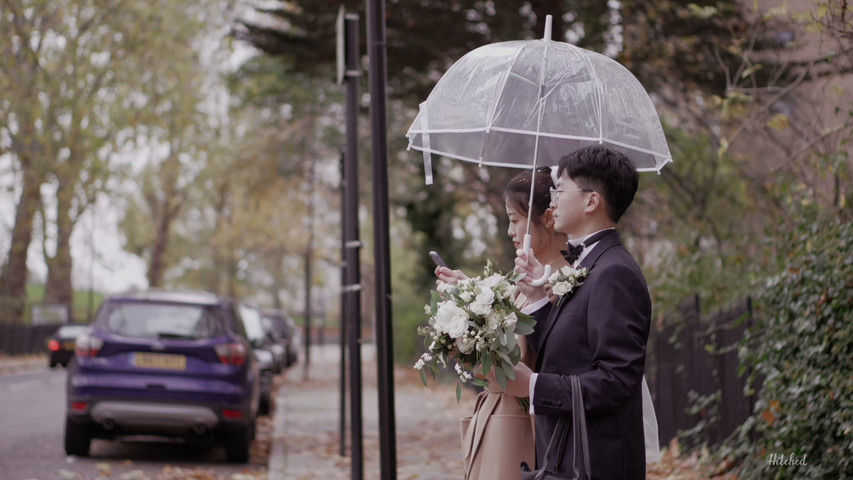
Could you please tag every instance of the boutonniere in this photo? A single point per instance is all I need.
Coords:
(565, 281)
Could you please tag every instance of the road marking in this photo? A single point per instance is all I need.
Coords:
(20, 387)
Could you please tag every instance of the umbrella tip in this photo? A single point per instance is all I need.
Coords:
(547, 28)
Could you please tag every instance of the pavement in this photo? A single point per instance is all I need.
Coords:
(306, 437)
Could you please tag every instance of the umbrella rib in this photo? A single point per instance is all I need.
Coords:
(598, 94)
(491, 116)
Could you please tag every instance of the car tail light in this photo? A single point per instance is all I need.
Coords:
(231, 353)
(231, 414)
(79, 407)
(88, 346)
(53, 346)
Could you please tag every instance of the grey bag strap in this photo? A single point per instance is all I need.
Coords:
(553, 458)
(581, 440)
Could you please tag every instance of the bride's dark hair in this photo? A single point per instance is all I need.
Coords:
(517, 192)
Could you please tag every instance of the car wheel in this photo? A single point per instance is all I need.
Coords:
(52, 364)
(77, 439)
(237, 445)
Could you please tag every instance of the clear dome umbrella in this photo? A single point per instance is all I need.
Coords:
(525, 104)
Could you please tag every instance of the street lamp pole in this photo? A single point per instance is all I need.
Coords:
(384, 333)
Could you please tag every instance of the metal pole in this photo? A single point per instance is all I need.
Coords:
(352, 246)
(384, 333)
(344, 315)
(309, 252)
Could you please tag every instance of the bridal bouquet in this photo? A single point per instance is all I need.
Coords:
(473, 324)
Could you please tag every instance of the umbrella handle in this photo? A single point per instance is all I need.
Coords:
(544, 278)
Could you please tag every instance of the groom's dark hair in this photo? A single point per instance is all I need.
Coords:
(605, 170)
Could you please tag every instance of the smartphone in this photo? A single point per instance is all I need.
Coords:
(437, 258)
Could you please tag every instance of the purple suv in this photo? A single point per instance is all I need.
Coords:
(174, 364)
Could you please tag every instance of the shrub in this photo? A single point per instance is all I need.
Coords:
(801, 353)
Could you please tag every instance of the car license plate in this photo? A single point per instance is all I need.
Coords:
(68, 345)
(160, 360)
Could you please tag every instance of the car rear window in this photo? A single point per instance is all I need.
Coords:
(161, 320)
(252, 323)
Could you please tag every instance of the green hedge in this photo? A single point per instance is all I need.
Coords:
(801, 352)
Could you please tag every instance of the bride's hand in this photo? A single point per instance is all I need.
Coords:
(530, 266)
(446, 275)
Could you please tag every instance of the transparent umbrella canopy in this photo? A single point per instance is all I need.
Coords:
(527, 103)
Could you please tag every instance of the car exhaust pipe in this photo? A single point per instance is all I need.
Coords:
(109, 424)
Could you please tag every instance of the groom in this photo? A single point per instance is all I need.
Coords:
(600, 331)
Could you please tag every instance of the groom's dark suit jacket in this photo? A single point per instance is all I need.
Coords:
(599, 334)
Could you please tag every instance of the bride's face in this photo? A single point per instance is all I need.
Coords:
(518, 227)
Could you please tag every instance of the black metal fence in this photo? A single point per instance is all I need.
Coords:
(693, 375)
(24, 339)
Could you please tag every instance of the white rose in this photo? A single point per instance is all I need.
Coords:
(561, 288)
(510, 291)
(491, 281)
(481, 308)
(467, 296)
(568, 271)
(486, 295)
(448, 317)
(458, 326)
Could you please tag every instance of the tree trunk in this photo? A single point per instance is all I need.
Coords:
(277, 279)
(157, 264)
(13, 295)
(59, 289)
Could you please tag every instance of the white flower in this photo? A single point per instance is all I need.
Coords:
(491, 281)
(465, 345)
(481, 308)
(493, 323)
(561, 288)
(510, 321)
(486, 296)
(466, 296)
(444, 287)
(419, 365)
(566, 280)
(451, 319)
(427, 310)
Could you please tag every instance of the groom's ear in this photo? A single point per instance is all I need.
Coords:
(595, 203)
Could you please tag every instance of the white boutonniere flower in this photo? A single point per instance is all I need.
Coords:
(565, 281)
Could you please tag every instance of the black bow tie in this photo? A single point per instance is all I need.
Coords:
(571, 255)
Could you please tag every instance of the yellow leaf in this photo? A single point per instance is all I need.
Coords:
(780, 121)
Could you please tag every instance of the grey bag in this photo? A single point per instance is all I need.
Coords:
(556, 447)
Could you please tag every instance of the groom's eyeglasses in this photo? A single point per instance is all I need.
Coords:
(555, 193)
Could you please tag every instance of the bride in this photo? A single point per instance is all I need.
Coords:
(498, 436)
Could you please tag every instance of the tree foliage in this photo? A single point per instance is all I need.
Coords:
(77, 79)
